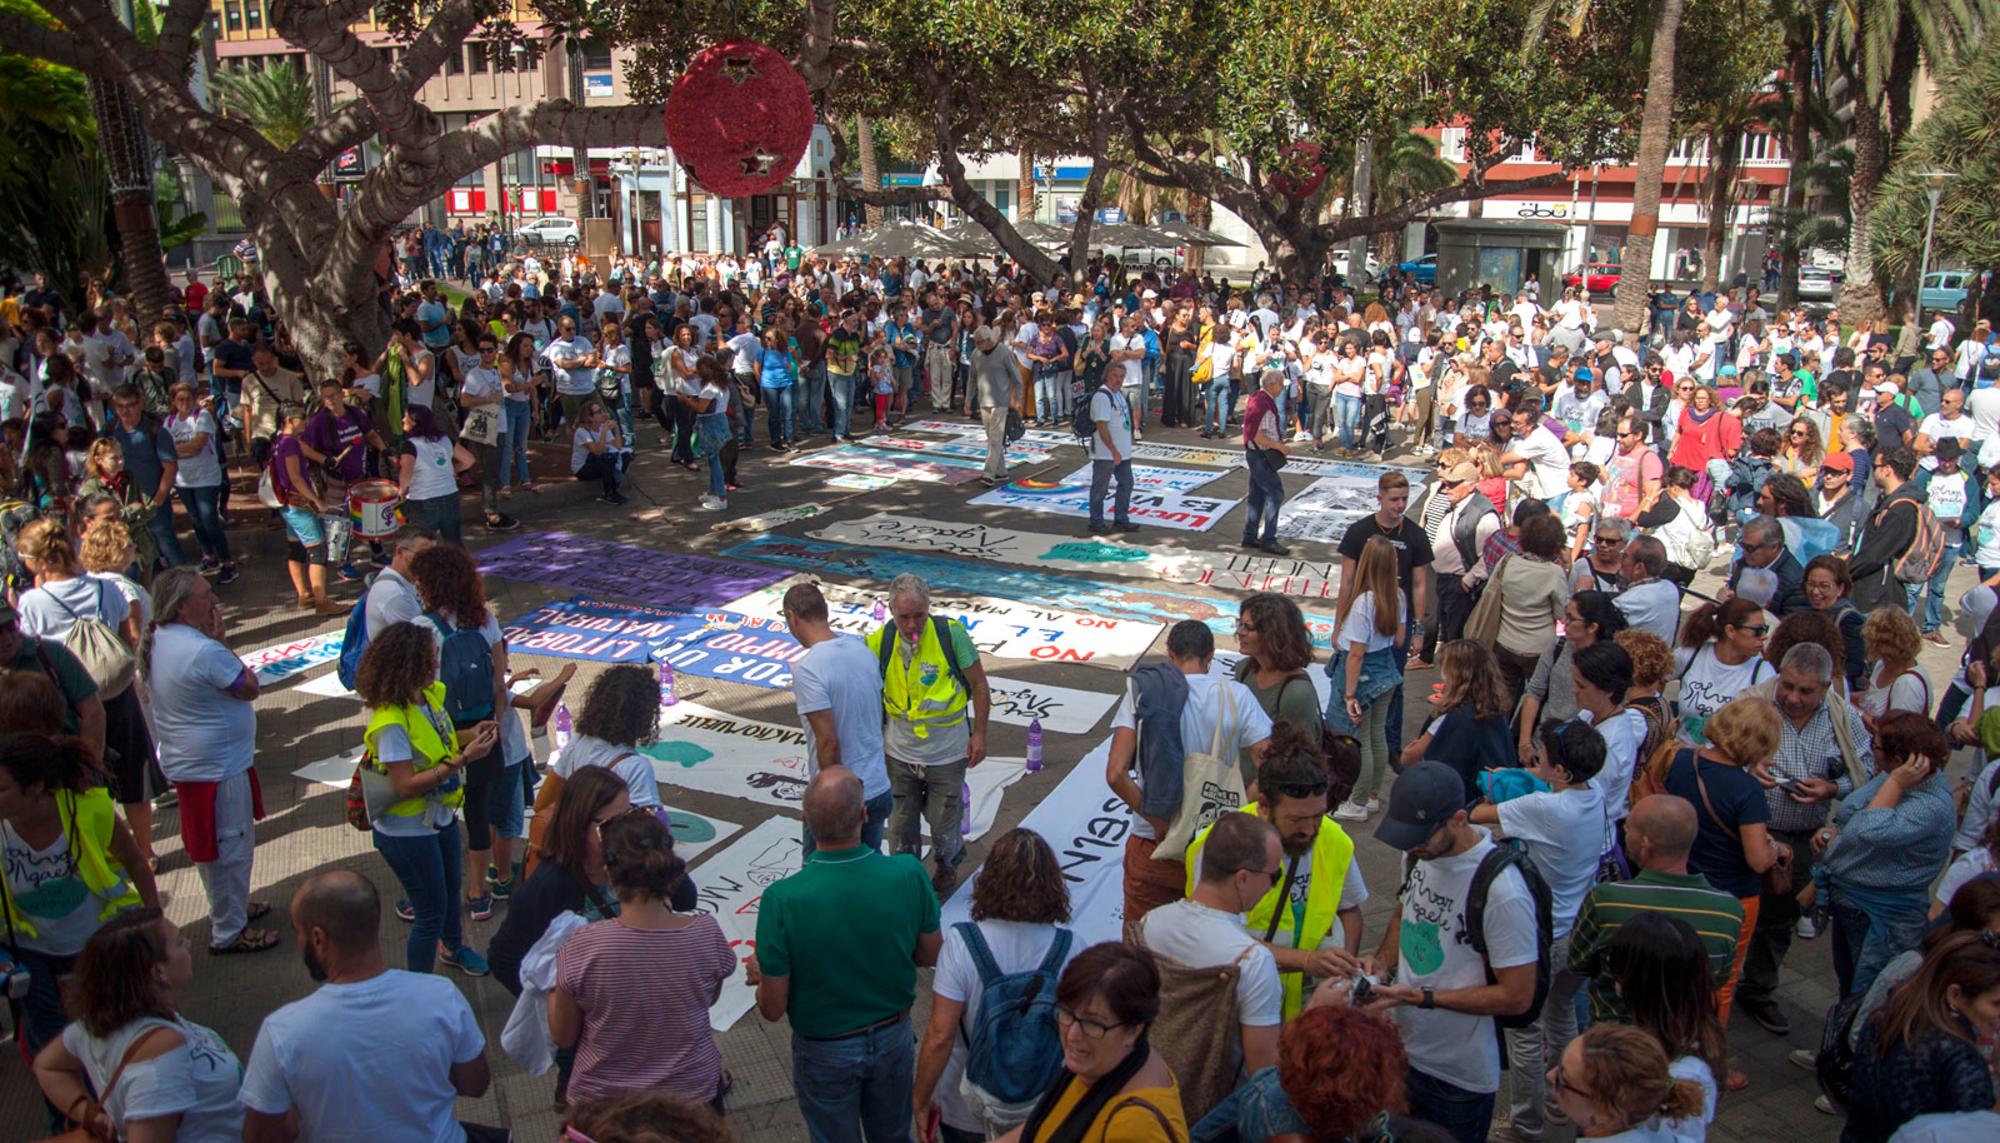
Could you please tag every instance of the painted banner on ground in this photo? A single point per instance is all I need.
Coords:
(704, 749)
(599, 631)
(765, 521)
(1154, 500)
(997, 626)
(1152, 478)
(728, 887)
(1086, 824)
(860, 482)
(1236, 571)
(1188, 454)
(1323, 511)
(605, 569)
(1059, 709)
(281, 661)
(1046, 438)
(901, 465)
(1118, 600)
(1298, 465)
(1020, 452)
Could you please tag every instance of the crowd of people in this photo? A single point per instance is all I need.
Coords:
(1623, 807)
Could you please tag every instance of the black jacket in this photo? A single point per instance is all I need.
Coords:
(1889, 533)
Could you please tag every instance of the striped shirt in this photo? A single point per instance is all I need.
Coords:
(1715, 916)
(645, 995)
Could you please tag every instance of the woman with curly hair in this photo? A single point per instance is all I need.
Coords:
(1896, 681)
(646, 1117)
(1276, 648)
(1469, 732)
(1615, 1079)
(472, 663)
(1803, 451)
(1020, 910)
(620, 712)
(1339, 1076)
(411, 780)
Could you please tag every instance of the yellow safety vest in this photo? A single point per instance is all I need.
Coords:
(89, 821)
(921, 691)
(432, 739)
(1332, 853)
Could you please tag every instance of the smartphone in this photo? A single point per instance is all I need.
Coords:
(1791, 786)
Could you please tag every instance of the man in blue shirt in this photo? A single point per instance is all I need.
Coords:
(434, 316)
(150, 463)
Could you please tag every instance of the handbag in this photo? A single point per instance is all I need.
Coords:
(1211, 785)
(482, 425)
(1275, 458)
(1778, 878)
(81, 1132)
(1483, 625)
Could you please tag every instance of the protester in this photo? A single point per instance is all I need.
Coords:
(1276, 649)
(1658, 966)
(1470, 705)
(1263, 443)
(199, 480)
(1591, 617)
(1826, 586)
(1113, 1084)
(598, 451)
(1891, 529)
(1533, 591)
(1613, 1080)
(1468, 524)
(646, 1117)
(1111, 417)
(1895, 681)
(1720, 656)
(427, 476)
(1339, 1076)
(620, 712)
(1367, 668)
(1921, 1053)
(838, 686)
(1413, 575)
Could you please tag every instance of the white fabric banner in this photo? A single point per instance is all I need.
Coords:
(1326, 507)
(1158, 507)
(729, 884)
(1060, 709)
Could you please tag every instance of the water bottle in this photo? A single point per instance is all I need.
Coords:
(565, 726)
(880, 611)
(667, 695)
(1034, 746)
(965, 808)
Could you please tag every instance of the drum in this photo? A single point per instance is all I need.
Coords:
(372, 505)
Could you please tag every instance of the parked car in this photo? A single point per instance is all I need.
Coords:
(553, 231)
(1598, 277)
(1340, 263)
(1817, 284)
(1944, 289)
(1424, 269)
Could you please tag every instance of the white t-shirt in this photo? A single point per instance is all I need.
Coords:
(1987, 552)
(197, 1081)
(1433, 951)
(1548, 463)
(1195, 936)
(391, 599)
(204, 733)
(1114, 413)
(1692, 1130)
(748, 350)
(1359, 626)
(843, 676)
(1624, 734)
(50, 611)
(1910, 690)
(49, 892)
(432, 476)
(572, 382)
(1565, 832)
(202, 470)
(719, 394)
(367, 1062)
(392, 744)
(584, 437)
(635, 768)
(136, 597)
(1654, 606)
(1937, 428)
(420, 392)
(1243, 725)
(1017, 946)
(1707, 684)
(1133, 367)
(1971, 864)
(482, 382)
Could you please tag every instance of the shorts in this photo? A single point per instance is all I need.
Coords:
(302, 524)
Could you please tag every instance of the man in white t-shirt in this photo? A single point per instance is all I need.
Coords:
(1950, 420)
(837, 686)
(1180, 696)
(1128, 353)
(1111, 449)
(375, 1053)
(1538, 461)
(1203, 935)
(392, 598)
(574, 360)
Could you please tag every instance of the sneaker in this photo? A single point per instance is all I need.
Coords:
(1805, 930)
(1937, 637)
(480, 907)
(501, 522)
(405, 910)
(500, 889)
(208, 566)
(1765, 1012)
(166, 798)
(1351, 812)
(227, 575)
(606, 500)
(710, 504)
(349, 572)
(464, 958)
(1127, 526)
(1276, 548)
(1825, 1106)
(1374, 804)
(1803, 1058)
(620, 498)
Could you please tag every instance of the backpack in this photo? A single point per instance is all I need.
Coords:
(14, 516)
(353, 641)
(1013, 1051)
(1490, 868)
(1656, 752)
(465, 667)
(110, 663)
(1834, 1068)
(1081, 422)
(1920, 561)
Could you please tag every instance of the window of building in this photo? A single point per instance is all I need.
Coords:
(253, 15)
(596, 55)
(214, 24)
(454, 64)
(232, 16)
(476, 57)
(698, 222)
(1451, 144)
(1760, 147)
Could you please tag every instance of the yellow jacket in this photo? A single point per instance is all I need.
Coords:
(429, 746)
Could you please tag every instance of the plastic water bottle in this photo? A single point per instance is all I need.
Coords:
(965, 808)
(880, 611)
(1034, 746)
(667, 695)
(565, 726)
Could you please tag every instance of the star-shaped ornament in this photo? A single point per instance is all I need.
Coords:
(739, 69)
(758, 162)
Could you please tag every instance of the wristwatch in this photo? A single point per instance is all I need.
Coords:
(1429, 1000)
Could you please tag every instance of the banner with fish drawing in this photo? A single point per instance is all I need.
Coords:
(1160, 496)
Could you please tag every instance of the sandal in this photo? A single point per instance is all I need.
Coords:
(257, 911)
(247, 941)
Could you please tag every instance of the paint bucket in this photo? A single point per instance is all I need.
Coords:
(372, 504)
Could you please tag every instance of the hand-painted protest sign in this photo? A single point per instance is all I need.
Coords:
(620, 571)
(1059, 709)
(1020, 452)
(898, 465)
(599, 631)
(998, 627)
(1124, 601)
(1328, 505)
(1188, 454)
(1235, 571)
(728, 886)
(859, 482)
(765, 521)
(1045, 438)
(1156, 498)
(1153, 478)
(281, 661)
(1086, 824)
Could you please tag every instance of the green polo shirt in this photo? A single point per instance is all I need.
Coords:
(844, 931)
(1715, 917)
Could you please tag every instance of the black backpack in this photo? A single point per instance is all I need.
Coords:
(1081, 422)
(1490, 868)
(942, 626)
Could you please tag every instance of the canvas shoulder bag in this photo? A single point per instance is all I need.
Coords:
(1483, 625)
(103, 654)
(1211, 785)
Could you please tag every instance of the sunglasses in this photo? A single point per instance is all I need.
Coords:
(1757, 629)
(1603, 540)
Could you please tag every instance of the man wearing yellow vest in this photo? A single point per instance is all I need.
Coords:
(931, 675)
(1321, 883)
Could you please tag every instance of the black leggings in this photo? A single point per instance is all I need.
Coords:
(480, 774)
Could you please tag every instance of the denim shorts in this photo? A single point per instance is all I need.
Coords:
(302, 524)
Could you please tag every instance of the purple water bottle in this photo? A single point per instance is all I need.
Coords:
(565, 727)
(965, 809)
(880, 611)
(667, 695)
(1034, 746)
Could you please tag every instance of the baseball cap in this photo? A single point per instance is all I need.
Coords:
(1150, 294)
(1584, 375)
(1423, 799)
(1464, 472)
(1839, 460)
(1888, 387)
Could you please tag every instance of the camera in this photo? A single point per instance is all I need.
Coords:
(1363, 990)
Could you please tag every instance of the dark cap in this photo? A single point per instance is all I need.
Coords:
(1423, 799)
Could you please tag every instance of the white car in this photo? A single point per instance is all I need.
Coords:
(1340, 263)
(1816, 283)
(552, 230)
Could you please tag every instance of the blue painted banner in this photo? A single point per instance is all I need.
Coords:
(599, 631)
(1124, 601)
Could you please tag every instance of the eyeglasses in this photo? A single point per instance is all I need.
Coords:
(1562, 1081)
(1091, 1029)
(1757, 629)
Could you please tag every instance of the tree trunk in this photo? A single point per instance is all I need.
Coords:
(1361, 194)
(1860, 295)
(1655, 137)
(1723, 152)
(1200, 212)
(1798, 147)
(871, 171)
(128, 167)
(1024, 191)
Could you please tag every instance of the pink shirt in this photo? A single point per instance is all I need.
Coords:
(645, 997)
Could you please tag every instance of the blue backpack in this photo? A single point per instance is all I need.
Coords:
(465, 667)
(353, 642)
(1014, 1051)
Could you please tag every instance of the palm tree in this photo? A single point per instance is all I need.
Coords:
(277, 99)
(871, 166)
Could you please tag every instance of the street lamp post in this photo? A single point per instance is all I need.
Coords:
(1933, 190)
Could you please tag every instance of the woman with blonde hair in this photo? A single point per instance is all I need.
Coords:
(1365, 669)
(1803, 451)
(1613, 1082)
(1469, 732)
(1896, 681)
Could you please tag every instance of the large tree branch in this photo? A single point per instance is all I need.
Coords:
(322, 31)
(178, 26)
(30, 37)
(870, 196)
(444, 35)
(351, 122)
(816, 44)
(1473, 187)
(1030, 257)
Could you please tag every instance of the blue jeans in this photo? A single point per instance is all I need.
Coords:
(713, 429)
(778, 399)
(161, 525)
(429, 869)
(1864, 944)
(1466, 1114)
(514, 447)
(1931, 595)
(1347, 415)
(204, 509)
(1101, 474)
(437, 515)
(1267, 495)
(812, 399)
(1051, 397)
(1220, 402)
(857, 1086)
(872, 830)
(842, 385)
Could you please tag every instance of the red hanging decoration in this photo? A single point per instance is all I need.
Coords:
(1299, 170)
(740, 118)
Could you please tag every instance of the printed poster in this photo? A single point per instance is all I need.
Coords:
(622, 571)
(1323, 511)
(281, 661)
